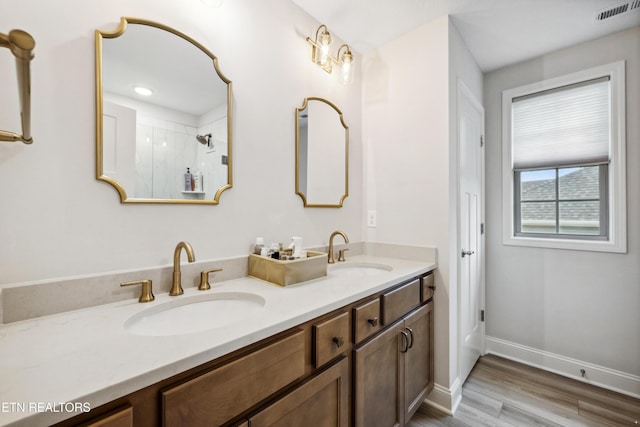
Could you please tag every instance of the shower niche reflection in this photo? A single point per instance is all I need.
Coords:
(165, 149)
(162, 106)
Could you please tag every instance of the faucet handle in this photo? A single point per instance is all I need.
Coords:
(204, 279)
(341, 254)
(147, 293)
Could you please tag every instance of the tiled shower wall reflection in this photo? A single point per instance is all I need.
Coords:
(164, 151)
(212, 161)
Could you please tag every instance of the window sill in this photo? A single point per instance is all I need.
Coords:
(570, 244)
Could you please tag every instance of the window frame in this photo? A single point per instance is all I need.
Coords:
(615, 180)
(603, 215)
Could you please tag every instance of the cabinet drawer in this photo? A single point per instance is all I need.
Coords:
(400, 301)
(217, 396)
(428, 286)
(118, 418)
(323, 400)
(330, 339)
(366, 320)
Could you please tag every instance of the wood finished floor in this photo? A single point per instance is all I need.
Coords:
(503, 393)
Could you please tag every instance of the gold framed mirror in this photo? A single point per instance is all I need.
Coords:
(322, 154)
(163, 116)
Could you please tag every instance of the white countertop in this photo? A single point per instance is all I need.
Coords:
(87, 356)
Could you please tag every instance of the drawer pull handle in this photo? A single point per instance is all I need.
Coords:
(432, 287)
(339, 341)
(373, 321)
(405, 341)
(411, 335)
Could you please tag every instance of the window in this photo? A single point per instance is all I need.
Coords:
(569, 202)
(563, 162)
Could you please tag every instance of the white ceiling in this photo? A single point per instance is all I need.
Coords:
(498, 32)
(182, 77)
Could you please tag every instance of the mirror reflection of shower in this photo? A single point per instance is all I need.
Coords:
(163, 151)
(206, 140)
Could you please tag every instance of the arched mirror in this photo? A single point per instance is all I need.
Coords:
(163, 116)
(322, 154)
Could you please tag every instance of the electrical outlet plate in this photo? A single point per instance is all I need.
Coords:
(371, 219)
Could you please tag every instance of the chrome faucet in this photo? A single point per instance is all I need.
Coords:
(176, 288)
(346, 240)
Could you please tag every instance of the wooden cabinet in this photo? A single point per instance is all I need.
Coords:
(330, 338)
(366, 320)
(418, 359)
(399, 301)
(393, 371)
(428, 286)
(369, 363)
(377, 380)
(321, 401)
(118, 418)
(217, 396)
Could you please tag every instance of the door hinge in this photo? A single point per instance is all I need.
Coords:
(482, 315)
(482, 228)
(481, 140)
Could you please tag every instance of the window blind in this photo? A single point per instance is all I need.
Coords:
(565, 126)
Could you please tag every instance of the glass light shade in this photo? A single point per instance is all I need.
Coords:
(322, 56)
(347, 72)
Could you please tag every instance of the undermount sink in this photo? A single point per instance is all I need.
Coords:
(186, 315)
(357, 269)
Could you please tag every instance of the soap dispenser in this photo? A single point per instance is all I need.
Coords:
(187, 180)
(198, 181)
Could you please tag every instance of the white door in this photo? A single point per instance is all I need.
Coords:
(119, 145)
(470, 246)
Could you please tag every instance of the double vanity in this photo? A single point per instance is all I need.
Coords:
(245, 352)
(347, 344)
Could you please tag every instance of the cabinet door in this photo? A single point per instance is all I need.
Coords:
(320, 402)
(418, 359)
(377, 380)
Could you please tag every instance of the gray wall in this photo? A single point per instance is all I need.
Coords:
(574, 304)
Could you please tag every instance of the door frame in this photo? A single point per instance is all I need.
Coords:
(462, 90)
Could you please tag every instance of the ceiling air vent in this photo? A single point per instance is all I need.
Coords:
(617, 9)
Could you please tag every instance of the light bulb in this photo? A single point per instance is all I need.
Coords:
(325, 41)
(347, 72)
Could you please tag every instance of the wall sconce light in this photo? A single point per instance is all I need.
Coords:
(320, 54)
(346, 61)
(21, 44)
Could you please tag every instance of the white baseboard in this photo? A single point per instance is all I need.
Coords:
(597, 375)
(444, 399)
